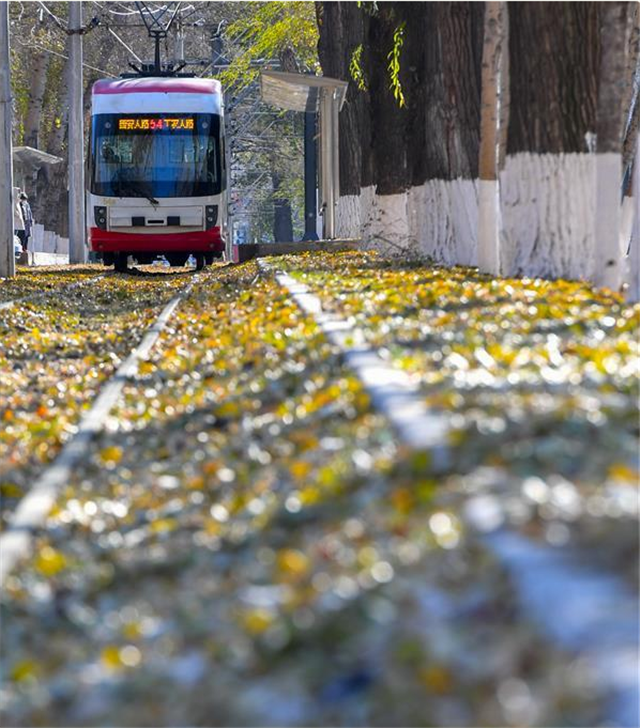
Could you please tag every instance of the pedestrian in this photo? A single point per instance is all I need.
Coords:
(18, 218)
(27, 216)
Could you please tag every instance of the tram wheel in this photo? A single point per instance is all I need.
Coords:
(120, 262)
(200, 261)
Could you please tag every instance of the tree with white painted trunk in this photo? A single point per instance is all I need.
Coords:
(547, 185)
(412, 119)
(631, 116)
(386, 224)
(633, 292)
(444, 203)
(341, 49)
(608, 259)
(495, 35)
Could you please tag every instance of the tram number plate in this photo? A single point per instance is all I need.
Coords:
(155, 123)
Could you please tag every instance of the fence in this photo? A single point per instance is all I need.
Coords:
(46, 241)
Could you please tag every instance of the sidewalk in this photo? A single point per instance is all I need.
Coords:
(249, 544)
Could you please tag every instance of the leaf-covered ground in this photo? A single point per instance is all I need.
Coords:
(248, 544)
(66, 333)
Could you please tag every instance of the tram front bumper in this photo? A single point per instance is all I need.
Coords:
(198, 241)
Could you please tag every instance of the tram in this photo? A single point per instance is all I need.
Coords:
(157, 172)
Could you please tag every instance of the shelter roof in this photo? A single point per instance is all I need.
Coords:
(298, 91)
(34, 157)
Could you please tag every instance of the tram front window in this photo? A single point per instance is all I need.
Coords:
(156, 155)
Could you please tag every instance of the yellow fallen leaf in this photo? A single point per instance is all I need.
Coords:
(49, 562)
(110, 657)
(111, 454)
(257, 621)
(292, 563)
(436, 679)
(621, 471)
(24, 670)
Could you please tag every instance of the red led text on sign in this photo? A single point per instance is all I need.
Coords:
(155, 124)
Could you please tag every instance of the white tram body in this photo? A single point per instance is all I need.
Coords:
(158, 174)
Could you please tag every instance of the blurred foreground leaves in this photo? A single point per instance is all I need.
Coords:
(249, 545)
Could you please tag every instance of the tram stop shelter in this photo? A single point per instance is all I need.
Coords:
(313, 95)
(27, 162)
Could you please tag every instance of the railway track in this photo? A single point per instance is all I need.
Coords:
(33, 508)
(245, 493)
(38, 295)
(598, 616)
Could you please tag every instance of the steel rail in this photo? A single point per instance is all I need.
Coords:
(41, 294)
(17, 540)
(392, 391)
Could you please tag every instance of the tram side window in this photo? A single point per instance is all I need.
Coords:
(212, 160)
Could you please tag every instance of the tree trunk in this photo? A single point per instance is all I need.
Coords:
(631, 82)
(50, 203)
(611, 91)
(633, 292)
(418, 161)
(547, 190)
(387, 228)
(58, 134)
(631, 116)
(340, 26)
(495, 24)
(443, 201)
(282, 221)
(37, 85)
(58, 137)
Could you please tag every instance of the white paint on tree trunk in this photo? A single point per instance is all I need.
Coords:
(389, 228)
(626, 223)
(367, 210)
(384, 222)
(608, 256)
(626, 230)
(438, 219)
(443, 220)
(547, 209)
(416, 215)
(348, 217)
(633, 292)
(489, 227)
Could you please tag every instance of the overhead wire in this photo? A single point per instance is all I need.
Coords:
(62, 55)
(56, 19)
(124, 45)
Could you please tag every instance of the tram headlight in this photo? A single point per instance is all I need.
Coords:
(100, 216)
(211, 216)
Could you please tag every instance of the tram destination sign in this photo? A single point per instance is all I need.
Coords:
(156, 123)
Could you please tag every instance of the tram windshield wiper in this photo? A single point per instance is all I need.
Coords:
(133, 187)
(152, 200)
(138, 188)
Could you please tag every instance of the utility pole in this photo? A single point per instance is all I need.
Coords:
(7, 259)
(77, 224)
(217, 47)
